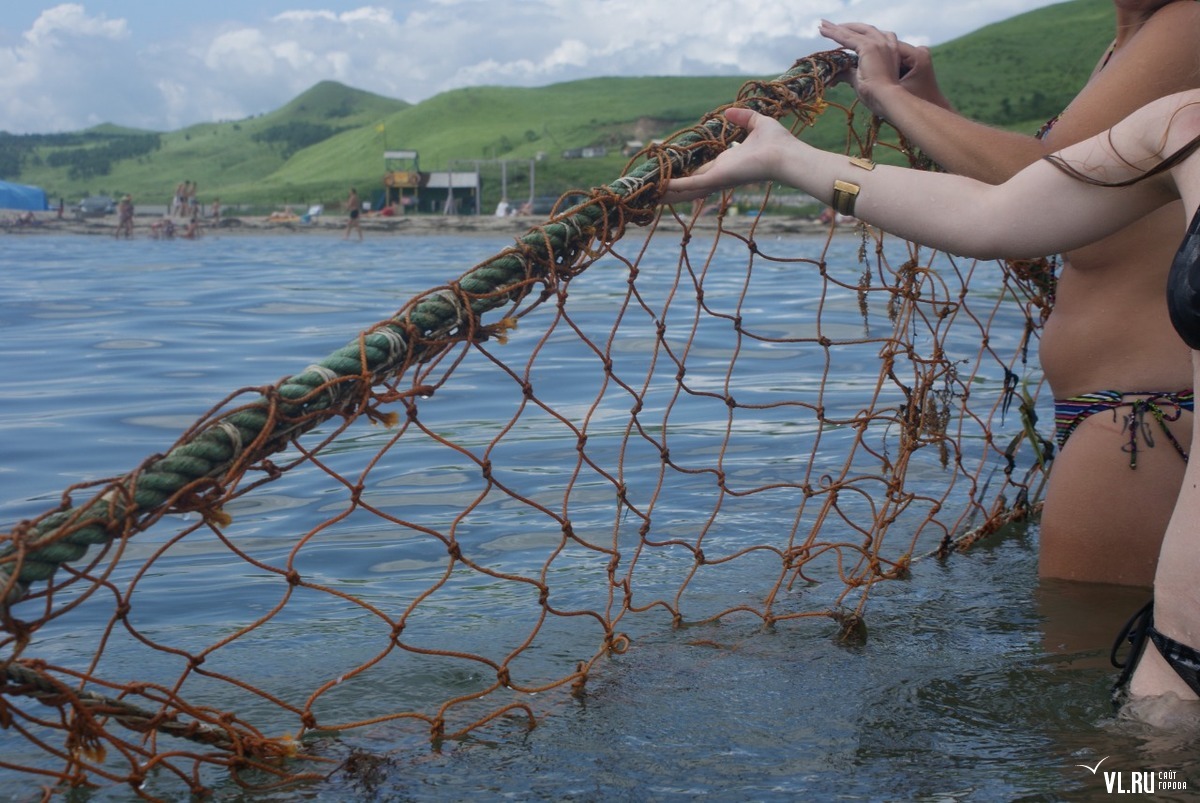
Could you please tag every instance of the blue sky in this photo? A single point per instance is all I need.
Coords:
(165, 64)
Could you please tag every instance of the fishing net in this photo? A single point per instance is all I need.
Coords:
(516, 529)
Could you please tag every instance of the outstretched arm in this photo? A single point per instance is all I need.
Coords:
(1040, 211)
(896, 81)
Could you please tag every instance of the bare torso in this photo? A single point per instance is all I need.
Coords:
(1104, 520)
(1109, 329)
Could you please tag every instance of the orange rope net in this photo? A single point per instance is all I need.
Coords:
(512, 526)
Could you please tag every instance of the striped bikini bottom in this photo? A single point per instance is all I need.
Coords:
(1163, 407)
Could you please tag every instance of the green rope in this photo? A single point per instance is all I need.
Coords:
(428, 327)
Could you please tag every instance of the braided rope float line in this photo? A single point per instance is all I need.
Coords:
(218, 452)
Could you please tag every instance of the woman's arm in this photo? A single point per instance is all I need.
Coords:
(1040, 211)
(892, 81)
(1161, 58)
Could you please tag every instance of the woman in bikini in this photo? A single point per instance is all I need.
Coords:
(1146, 165)
(1119, 373)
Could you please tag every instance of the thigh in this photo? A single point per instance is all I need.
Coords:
(1152, 678)
(1104, 521)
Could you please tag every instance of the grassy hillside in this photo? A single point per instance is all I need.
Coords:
(1021, 72)
(1013, 74)
(217, 156)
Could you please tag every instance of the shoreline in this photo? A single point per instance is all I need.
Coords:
(516, 225)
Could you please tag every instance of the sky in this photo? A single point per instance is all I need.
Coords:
(163, 65)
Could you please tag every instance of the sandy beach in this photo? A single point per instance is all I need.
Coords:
(327, 225)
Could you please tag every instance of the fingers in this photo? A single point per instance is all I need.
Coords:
(688, 188)
(700, 184)
(743, 117)
(853, 35)
(685, 189)
(838, 33)
(848, 34)
(843, 28)
(916, 58)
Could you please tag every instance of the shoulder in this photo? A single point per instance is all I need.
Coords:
(1168, 35)
(1178, 110)
(1183, 119)
(1178, 11)
(1174, 26)
(1161, 59)
(1159, 128)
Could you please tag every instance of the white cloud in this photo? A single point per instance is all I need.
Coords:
(61, 23)
(239, 51)
(65, 58)
(72, 67)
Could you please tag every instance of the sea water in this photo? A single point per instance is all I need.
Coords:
(976, 682)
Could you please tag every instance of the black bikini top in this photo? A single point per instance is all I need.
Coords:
(1183, 286)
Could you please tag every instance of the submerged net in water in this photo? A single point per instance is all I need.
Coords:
(515, 525)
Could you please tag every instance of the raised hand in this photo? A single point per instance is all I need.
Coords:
(884, 63)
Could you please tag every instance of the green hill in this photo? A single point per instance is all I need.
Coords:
(217, 156)
(1013, 74)
(1018, 73)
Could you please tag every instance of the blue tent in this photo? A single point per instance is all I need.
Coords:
(22, 196)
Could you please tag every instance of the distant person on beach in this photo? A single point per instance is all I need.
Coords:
(125, 218)
(193, 228)
(286, 216)
(1120, 375)
(353, 211)
(163, 229)
(1066, 200)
